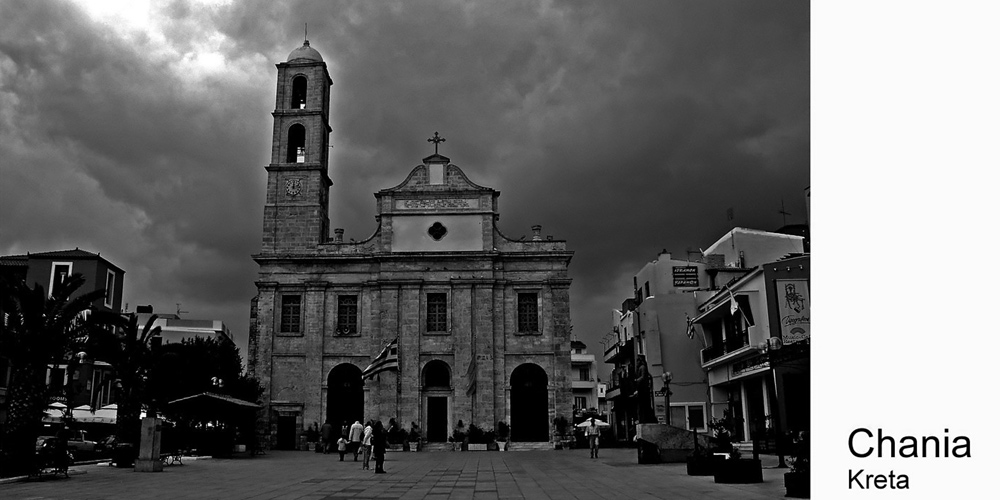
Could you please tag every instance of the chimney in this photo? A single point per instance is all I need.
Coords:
(537, 233)
(338, 235)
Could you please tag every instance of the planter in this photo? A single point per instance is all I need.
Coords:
(477, 446)
(738, 471)
(414, 445)
(797, 484)
(493, 446)
(702, 466)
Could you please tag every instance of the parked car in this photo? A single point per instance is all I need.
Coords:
(78, 442)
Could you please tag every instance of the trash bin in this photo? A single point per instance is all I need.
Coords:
(124, 455)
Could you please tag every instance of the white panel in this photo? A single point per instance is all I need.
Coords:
(410, 233)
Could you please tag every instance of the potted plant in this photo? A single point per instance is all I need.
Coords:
(734, 469)
(563, 440)
(414, 438)
(460, 437)
(503, 434)
(797, 479)
(477, 438)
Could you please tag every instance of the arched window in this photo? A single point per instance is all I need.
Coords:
(299, 92)
(437, 375)
(296, 144)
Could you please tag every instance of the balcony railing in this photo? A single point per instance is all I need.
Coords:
(732, 343)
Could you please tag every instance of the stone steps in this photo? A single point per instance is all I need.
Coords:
(527, 446)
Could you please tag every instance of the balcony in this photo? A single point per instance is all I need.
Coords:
(584, 384)
(733, 343)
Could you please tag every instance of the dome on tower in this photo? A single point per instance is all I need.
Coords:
(305, 53)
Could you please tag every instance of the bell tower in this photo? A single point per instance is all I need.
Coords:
(296, 211)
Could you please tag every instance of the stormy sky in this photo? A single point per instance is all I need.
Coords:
(140, 130)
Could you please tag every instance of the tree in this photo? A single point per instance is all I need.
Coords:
(128, 349)
(37, 331)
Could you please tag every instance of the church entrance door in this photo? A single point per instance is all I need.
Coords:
(529, 404)
(437, 419)
(345, 395)
(286, 432)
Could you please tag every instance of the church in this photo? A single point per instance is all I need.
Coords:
(481, 321)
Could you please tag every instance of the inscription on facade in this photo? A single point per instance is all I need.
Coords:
(441, 203)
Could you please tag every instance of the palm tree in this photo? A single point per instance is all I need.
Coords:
(38, 330)
(129, 351)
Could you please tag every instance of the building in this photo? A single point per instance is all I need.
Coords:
(621, 352)
(482, 320)
(46, 269)
(757, 355)
(669, 293)
(666, 299)
(584, 380)
(174, 329)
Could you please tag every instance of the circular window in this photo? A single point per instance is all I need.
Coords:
(437, 231)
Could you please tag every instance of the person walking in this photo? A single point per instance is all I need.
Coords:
(342, 446)
(593, 434)
(366, 444)
(378, 447)
(355, 437)
(326, 434)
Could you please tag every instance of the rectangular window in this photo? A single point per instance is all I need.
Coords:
(647, 291)
(60, 271)
(109, 289)
(291, 313)
(347, 314)
(527, 312)
(585, 374)
(437, 312)
(696, 417)
(580, 403)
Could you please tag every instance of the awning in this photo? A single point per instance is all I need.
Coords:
(208, 399)
(713, 312)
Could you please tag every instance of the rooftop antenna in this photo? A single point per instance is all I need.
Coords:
(783, 213)
(306, 33)
(179, 310)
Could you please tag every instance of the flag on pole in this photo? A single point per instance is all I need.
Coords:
(690, 326)
(388, 359)
(733, 305)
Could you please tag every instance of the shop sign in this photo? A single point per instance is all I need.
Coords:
(793, 310)
(685, 276)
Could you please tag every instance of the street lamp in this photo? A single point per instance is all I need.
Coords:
(765, 348)
(667, 377)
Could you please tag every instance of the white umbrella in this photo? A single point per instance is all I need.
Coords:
(104, 415)
(599, 422)
(54, 413)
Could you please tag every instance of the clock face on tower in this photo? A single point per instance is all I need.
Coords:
(293, 187)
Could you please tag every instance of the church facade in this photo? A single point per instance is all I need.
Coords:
(482, 320)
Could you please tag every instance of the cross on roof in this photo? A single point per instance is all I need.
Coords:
(436, 140)
(783, 213)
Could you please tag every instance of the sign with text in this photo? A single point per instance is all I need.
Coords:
(685, 275)
(793, 309)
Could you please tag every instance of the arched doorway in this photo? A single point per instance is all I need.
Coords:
(529, 404)
(345, 395)
(436, 384)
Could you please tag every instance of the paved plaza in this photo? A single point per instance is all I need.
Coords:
(569, 474)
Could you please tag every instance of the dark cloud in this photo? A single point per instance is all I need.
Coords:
(624, 129)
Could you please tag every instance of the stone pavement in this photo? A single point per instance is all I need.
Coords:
(561, 474)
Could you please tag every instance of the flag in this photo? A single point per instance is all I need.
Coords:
(690, 326)
(388, 359)
(734, 306)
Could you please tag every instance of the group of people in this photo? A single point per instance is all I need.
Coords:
(367, 440)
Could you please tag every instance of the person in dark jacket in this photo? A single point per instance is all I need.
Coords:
(378, 446)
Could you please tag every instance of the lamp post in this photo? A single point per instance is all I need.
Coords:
(667, 376)
(774, 344)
